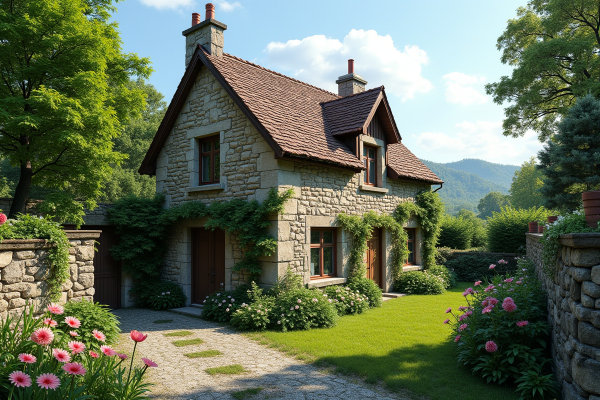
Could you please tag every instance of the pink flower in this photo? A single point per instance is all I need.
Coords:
(457, 338)
(93, 354)
(477, 283)
(99, 335)
(76, 347)
(48, 381)
(3, 218)
(487, 309)
(299, 301)
(462, 308)
(448, 310)
(296, 307)
(492, 300)
(61, 355)
(122, 356)
(489, 288)
(43, 336)
(73, 333)
(502, 262)
(74, 369)
(464, 316)
(522, 323)
(446, 321)
(56, 309)
(27, 358)
(52, 323)
(462, 327)
(72, 322)
(468, 292)
(490, 346)
(19, 379)
(509, 280)
(492, 266)
(149, 363)
(137, 336)
(509, 305)
(518, 282)
(107, 350)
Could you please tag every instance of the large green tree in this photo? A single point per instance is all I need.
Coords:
(525, 187)
(571, 159)
(64, 96)
(493, 201)
(553, 47)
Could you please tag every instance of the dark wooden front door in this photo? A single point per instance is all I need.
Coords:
(208, 263)
(374, 257)
(107, 271)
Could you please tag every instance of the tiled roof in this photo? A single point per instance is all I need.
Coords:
(405, 164)
(348, 114)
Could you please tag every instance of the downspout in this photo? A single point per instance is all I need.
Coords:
(441, 184)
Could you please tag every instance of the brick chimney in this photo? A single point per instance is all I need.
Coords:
(350, 83)
(208, 33)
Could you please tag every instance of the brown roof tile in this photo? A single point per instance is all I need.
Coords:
(349, 114)
(404, 164)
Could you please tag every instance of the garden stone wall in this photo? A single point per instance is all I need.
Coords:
(23, 272)
(574, 312)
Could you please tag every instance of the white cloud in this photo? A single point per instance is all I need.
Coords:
(173, 4)
(483, 140)
(319, 60)
(460, 88)
(225, 6)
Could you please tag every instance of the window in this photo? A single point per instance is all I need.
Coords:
(322, 252)
(210, 160)
(369, 158)
(411, 246)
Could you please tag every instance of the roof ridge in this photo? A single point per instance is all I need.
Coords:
(353, 95)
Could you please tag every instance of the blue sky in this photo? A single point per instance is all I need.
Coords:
(433, 57)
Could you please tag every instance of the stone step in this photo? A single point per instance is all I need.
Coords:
(393, 295)
(197, 305)
(190, 311)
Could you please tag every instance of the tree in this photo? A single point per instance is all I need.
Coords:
(553, 47)
(571, 159)
(525, 187)
(63, 98)
(491, 202)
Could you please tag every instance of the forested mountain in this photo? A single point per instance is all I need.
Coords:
(500, 174)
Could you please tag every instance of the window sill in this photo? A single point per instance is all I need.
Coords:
(315, 283)
(368, 188)
(407, 268)
(205, 188)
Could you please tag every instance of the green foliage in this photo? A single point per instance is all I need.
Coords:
(66, 95)
(92, 316)
(303, 309)
(30, 227)
(491, 203)
(367, 287)
(346, 301)
(163, 295)
(221, 306)
(552, 47)
(507, 228)
(471, 268)
(456, 232)
(431, 210)
(255, 316)
(420, 282)
(447, 275)
(478, 227)
(290, 281)
(570, 159)
(526, 184)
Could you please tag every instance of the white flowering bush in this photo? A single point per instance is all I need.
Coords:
(303, 309)
(346, 300)
(220, 306)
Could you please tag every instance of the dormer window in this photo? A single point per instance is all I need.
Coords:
(370, 161)
(210, 154)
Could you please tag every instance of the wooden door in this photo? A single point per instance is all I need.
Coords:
(107, 270)
(208, 263)
(374, 270)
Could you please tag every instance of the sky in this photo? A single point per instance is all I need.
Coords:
(433, 57)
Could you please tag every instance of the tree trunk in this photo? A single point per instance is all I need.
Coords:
(19, 204)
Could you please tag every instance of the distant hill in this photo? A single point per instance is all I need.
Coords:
(463, 189)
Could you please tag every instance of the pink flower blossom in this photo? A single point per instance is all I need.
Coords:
(509, 305)
(490, 346)
(502, 262)
(464, 316)
(19, 379)
(3, 218)
(43, 336)
(468, 292)
(518, 282)
(50, 322)
(462, 308)
(93, 354)
(61, 355)
(122, 356)
(101, 337)
(72, 322)
(76, 347)
(48, 381)
(457, 338)
(446, 321)
(477, 283)
(107, 350)
(489, 288)
(149, 362)
(509, 280)
(296, 307)
(448, 310)
(74, 369)
(27, 358)
(299, 301)
(492, 266)
(137, 336)
(462, 327)
(487, 310)
(56, 309)
(522, 323)
(73, 333)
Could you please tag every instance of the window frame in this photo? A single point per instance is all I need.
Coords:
(413, 241)
(212, 154)
(366, 160)
(322, 246)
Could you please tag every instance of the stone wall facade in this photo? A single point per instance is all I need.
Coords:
(574, 312)
(23, 272)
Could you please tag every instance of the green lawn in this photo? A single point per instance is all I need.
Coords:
(404, 344)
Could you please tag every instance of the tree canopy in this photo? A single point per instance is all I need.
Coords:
(553, 47)
(571, 159)
(526, 184)
(493, 201)
(64, 96)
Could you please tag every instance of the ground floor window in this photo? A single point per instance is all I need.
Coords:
(411, 246)
(322, 252)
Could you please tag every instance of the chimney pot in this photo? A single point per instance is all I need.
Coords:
(210, 11)
(350, 66)
(195, 19)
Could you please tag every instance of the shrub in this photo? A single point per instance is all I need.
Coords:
(347, 301)
(220, 306)
(290, 281)
(479, 238)
(477, 267)
(92, 316)
(254, 316)
(367, 287)
(420, 282)
(448, 276)
(502, 333)
(442, 255)
(303, 309)
(456, 232)
(164, 295)
(506, 229)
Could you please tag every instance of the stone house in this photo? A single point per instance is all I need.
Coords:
(235, 129)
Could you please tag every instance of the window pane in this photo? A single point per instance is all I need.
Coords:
(371, 171)
(411, 255)
(315, 237)
(327, 260)
(217, 144)
(371, 153)
(411, 234)
(217, 167)
(327, 236)
(206, 169)
(314, 262)
(365, 149)
(366, 176)
(206, 147)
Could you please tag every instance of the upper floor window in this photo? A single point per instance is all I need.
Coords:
(210, 154)
(370, 160)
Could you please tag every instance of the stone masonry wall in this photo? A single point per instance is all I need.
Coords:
(574, 312)
(23, 272)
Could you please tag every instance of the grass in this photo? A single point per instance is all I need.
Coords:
(203, 354)
(242, 394)
(178, 333)
(163, 321)
(227, 369)
(403, 344)
(187, 342)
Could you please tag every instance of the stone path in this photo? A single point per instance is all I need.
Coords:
(280, 376)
